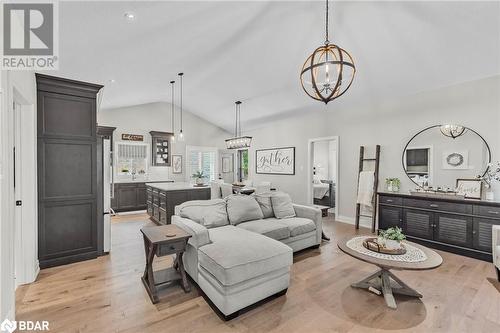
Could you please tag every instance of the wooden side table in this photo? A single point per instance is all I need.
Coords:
(161, 241)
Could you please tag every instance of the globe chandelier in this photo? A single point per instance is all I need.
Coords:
(328, 72)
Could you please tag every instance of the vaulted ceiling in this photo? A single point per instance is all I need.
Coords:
(254, 51)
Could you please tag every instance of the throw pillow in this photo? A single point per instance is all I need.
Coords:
(282, 205)
(209, 213)
(264, 201)
(241, 208)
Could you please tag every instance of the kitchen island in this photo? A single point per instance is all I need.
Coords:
(163, 197)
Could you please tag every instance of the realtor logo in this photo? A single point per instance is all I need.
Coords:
(8, 326)
(29, 35)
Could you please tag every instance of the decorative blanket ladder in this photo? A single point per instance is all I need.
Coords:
(362, 161)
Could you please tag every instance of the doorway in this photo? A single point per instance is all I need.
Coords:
(323, 170)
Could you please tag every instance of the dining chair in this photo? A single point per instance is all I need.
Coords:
(215, 190)
(226, 189)
(263, 187)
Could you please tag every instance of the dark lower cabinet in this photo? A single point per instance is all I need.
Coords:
(459, 226)
(390, 217)
(418, 223)
(453, 229)
(481, 234)
(129, 197)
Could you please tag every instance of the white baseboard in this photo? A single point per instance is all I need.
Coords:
(363, 222)
(36, 271)
(11, 315)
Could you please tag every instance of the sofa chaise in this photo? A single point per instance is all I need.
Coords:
(241, 247)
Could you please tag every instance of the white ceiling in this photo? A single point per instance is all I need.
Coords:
(254, 51)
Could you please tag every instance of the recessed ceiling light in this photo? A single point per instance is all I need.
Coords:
(112, 81)
(129, 16)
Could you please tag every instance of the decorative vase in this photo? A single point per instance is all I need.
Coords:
(199, 181)
(391, 244)
(490, 195)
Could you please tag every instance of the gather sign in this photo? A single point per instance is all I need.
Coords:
(278, 161)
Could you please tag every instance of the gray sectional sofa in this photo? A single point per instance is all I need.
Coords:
(241, 247)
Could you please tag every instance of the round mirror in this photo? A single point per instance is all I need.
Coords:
(439, 155)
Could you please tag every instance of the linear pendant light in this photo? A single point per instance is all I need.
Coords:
(172, 110)
(238, 141)
(181, 134)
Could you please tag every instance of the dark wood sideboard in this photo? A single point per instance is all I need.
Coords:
(454, 225)
(161, 204)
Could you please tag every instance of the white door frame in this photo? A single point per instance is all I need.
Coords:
(310, 156)
(27, 266)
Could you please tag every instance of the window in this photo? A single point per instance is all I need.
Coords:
(132, 158)
(202, 159)
(242, 165)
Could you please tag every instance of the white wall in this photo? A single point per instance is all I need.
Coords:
(141, 119)
(325, 159)
(289, 132)
(473, 104)
(321, 159)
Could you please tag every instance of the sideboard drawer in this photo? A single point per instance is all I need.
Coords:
(384, 199)
(487, 211)
(452, 207)
(172, 248)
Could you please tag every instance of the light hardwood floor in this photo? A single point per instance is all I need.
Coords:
(106, 295)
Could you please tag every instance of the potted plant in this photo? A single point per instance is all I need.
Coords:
(198, 176)
(393, 237)
(492, 174)
(393, 184)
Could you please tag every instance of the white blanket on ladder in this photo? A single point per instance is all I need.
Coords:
(365, 188)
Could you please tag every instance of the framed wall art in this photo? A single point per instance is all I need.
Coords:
(470, 188)
(176, 164)
(275, 161)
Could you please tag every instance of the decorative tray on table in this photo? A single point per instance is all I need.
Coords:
(372, 245)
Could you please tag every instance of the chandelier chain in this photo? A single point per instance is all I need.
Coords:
(172, 106)
(326, 25)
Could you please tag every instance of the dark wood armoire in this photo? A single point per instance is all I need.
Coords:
(67, 170)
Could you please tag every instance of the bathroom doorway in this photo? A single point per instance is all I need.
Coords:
(323, 184)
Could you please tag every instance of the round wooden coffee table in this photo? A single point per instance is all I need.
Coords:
(385, 281)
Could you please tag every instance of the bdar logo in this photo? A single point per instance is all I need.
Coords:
(8, 326)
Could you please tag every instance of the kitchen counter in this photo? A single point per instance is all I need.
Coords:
(168, 186)
(140, 180)
(163, 197)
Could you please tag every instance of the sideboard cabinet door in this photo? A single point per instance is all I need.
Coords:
(390, 217)
(418, 223)
(453, 229)
(481, 233)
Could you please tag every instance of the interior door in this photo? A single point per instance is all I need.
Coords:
(18, 212)
(227, 162)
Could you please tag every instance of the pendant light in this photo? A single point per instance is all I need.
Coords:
(452, 131)
(328, 72)
(172, 113)
(181, 134)
(238, 141)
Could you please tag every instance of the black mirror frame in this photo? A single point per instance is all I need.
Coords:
(434, 126)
